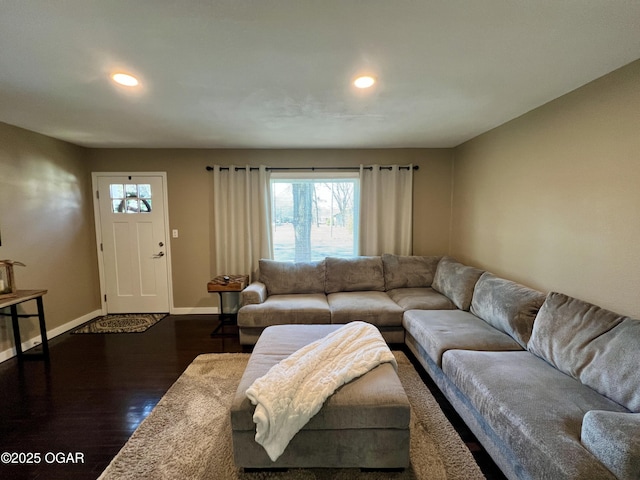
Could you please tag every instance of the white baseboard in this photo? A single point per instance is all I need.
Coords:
(37, 340)
(194, 311)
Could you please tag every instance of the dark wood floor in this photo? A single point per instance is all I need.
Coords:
(96, 390)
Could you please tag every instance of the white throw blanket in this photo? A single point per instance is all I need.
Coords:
(294, 390)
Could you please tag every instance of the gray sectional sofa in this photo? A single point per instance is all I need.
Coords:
(549, 384)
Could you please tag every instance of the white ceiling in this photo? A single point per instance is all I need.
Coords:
(277, 73)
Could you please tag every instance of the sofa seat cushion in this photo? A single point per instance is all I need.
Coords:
(534, 408)
(301, 308)
(372, 307)
(594, 345)
(420, 299)
(408, 271)
(440, 330)
(456, 281)
(506, 305)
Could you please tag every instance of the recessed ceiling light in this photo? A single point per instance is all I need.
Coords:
(125, 79)
(364, 81)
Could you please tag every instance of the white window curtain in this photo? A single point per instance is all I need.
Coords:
(241, 219)
(386, 202)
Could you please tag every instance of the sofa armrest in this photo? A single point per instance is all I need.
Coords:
(614, 439)
(255, 293)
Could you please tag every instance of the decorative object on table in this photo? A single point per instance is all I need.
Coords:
(228, 288)
(122, 323)
(7, 281)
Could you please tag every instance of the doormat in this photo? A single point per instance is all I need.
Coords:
(121, 323)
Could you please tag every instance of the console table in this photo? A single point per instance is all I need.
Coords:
(22, 296)
(226, 284)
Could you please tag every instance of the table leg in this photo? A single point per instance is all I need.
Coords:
(16, 331)
(230, 320)
(43, 328)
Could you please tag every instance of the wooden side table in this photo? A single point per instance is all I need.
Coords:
(226, 284)
(22, 296)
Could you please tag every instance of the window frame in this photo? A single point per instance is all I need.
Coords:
(319, 177)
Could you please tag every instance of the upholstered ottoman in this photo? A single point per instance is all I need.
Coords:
(364, 424)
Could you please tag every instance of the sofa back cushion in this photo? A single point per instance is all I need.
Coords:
(456, 281)
(282, 278)
(596, 346)
(354, 274)
(408, 271)
(507, 306)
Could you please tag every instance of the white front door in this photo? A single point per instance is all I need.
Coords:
(133, 242)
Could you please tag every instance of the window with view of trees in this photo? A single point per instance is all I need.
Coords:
(314, 217)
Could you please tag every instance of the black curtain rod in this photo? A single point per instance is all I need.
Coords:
(312, 169)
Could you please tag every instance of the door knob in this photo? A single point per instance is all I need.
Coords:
(158, 255)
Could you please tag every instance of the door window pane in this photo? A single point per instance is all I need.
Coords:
(130, 198)
(131, 190)
(144, 191)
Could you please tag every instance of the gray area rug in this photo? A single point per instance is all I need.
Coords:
(122, 323)
(188, 433)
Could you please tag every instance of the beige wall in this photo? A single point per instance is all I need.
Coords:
(189, 187)
(46, 220)
(552, 199)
